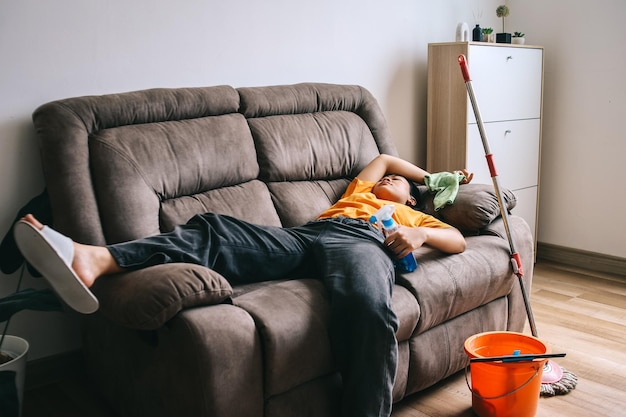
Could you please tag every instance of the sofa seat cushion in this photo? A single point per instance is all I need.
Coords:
(446, 287)
(146, 299)
(292, 319)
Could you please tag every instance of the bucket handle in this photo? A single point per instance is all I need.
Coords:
(467, 382)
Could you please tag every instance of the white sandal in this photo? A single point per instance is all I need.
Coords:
(52, 253)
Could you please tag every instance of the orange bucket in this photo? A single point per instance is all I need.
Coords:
(505, 389)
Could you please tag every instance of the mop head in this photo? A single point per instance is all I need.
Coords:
(556, 380)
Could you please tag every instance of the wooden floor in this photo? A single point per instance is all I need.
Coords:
(580, 313)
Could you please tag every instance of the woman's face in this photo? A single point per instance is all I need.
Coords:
(393, 188)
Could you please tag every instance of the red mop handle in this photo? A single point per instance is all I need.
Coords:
(492, 165)
(464, 68)
(515, 259)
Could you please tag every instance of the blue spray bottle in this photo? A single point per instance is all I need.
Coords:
(386, 223)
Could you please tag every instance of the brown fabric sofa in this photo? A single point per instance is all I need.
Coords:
(178, 340)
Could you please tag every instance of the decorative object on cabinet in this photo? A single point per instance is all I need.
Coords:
(462, 32)
(503, 11)
(477, 34)
(518, 38)
(488, 35)
(503, 38)
(508, 81)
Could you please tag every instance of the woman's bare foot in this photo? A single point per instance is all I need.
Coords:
(90, 262)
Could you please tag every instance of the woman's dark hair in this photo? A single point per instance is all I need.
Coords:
(416, 194)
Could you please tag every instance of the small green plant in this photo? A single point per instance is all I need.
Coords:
(502, 11)
(519, 35)
(487, 31)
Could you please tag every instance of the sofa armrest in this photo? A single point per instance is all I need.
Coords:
(146, 299)
(474, 208)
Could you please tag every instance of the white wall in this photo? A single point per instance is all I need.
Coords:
(63, 48)
(583, 196)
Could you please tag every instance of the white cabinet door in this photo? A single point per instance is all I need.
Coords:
(526, 207)
(506, 82)
(515, 149)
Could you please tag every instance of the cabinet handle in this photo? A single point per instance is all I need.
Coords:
(507, 132)
(509, 58)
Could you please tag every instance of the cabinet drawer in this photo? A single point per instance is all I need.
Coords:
(515, 148)
(507, 82)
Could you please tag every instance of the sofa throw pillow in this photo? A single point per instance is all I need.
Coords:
(146, 299)
(474, 207)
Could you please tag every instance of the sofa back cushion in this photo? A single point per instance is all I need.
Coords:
(307, 159)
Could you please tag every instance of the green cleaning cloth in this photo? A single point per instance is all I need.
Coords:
(446, 185)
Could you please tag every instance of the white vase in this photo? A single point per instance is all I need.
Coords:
(15, 371)
(518, 41)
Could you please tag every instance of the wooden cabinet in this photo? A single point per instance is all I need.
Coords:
(508, 85)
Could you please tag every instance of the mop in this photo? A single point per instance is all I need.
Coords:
(555, 380)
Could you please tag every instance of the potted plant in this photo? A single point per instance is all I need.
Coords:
(518, 38)
(13, 349)
(488, 35)
(502, 11)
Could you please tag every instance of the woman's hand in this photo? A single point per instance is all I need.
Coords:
(468, 175)
(407, 239)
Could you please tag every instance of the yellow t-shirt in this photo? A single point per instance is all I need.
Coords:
(358, 202)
